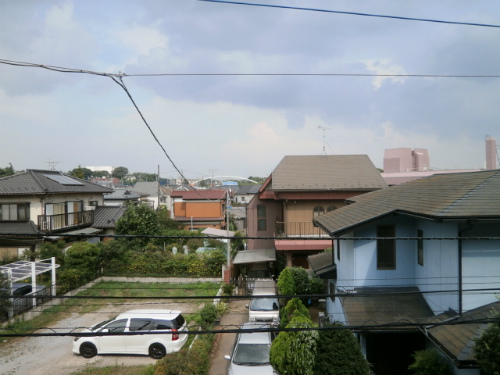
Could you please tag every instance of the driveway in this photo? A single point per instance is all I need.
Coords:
(234, 318)
(54, 356)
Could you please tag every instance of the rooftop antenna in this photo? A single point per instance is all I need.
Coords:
(52, 164)
(324, 128)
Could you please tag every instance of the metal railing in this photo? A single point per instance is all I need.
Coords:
(49, 223)
(27, 302)
(298, 229)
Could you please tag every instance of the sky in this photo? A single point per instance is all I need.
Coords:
(243, 86)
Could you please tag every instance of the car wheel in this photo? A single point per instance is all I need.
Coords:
(157, 351)
(88, 350)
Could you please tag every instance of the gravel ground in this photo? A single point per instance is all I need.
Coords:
(54, 356)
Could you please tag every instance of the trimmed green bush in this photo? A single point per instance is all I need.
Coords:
(429, 362)
(339, 353)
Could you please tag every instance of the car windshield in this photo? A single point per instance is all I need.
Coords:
(264, 304)
(99, 325)
(251, 354)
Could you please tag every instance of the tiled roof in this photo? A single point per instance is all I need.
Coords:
(248, 189)
(458, 339)
(150, 188)
(199, 194)
(323, 265)
(18, 227)
(107, 216)
(122, 194)
(326, 172)
(386, 305)
(452, 196)
(35, 181)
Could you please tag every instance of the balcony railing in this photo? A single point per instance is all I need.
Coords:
(298, 229)
(50, 223)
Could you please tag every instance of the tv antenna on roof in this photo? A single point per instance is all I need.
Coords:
(324, 128)
(52, 164)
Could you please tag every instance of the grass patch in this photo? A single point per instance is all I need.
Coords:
(117, 370)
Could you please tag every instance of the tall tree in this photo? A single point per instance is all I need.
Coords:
(119, 172)
(139, 220)
(82, 173)
(7, 171)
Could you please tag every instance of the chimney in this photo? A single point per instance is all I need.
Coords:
(491, 153)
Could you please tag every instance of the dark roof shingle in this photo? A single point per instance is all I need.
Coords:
(326, 172)
(454, 196)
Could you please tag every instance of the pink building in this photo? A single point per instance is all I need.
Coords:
(406, 160)
(491, 153)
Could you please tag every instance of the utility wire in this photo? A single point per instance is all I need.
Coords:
(350, 13)
(357, 327)
(120, 74)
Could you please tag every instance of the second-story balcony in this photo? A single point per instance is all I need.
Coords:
(52, 223)
(298, 229)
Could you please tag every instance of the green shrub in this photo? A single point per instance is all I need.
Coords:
(227, 289)
(293, 352)
(487, 349)
(207, 316)
(194, 361)
(429, 362)
(294, 305)
(338, 352)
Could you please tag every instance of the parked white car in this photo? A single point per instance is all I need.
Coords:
(251, 352)
(266, 307)
(161, 332)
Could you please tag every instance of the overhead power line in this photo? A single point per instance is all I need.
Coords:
(226, 329)
(120, 74)
(351, 13)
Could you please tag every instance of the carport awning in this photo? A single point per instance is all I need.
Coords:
(255, 256)
(89, 230)
(22, 269)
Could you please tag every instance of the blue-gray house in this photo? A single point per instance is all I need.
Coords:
(414, 260)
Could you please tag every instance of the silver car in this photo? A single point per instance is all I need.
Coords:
(251, 352)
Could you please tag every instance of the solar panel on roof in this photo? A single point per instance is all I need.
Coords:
(63, 180)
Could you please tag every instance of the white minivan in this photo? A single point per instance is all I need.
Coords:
(264, 306)
(160, 332)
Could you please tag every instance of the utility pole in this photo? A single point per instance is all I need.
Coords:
(227, 231)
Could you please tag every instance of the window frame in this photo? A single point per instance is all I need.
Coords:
(386, 248)
(261, 218)
(318, 211)
(21, 211)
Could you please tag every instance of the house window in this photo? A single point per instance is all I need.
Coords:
(331, 208)
(243, 199)
(420, 247)
(93, 203)
(261, 218)
(332, 290)
(15, 212)
(318, 210)
(386, 248)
